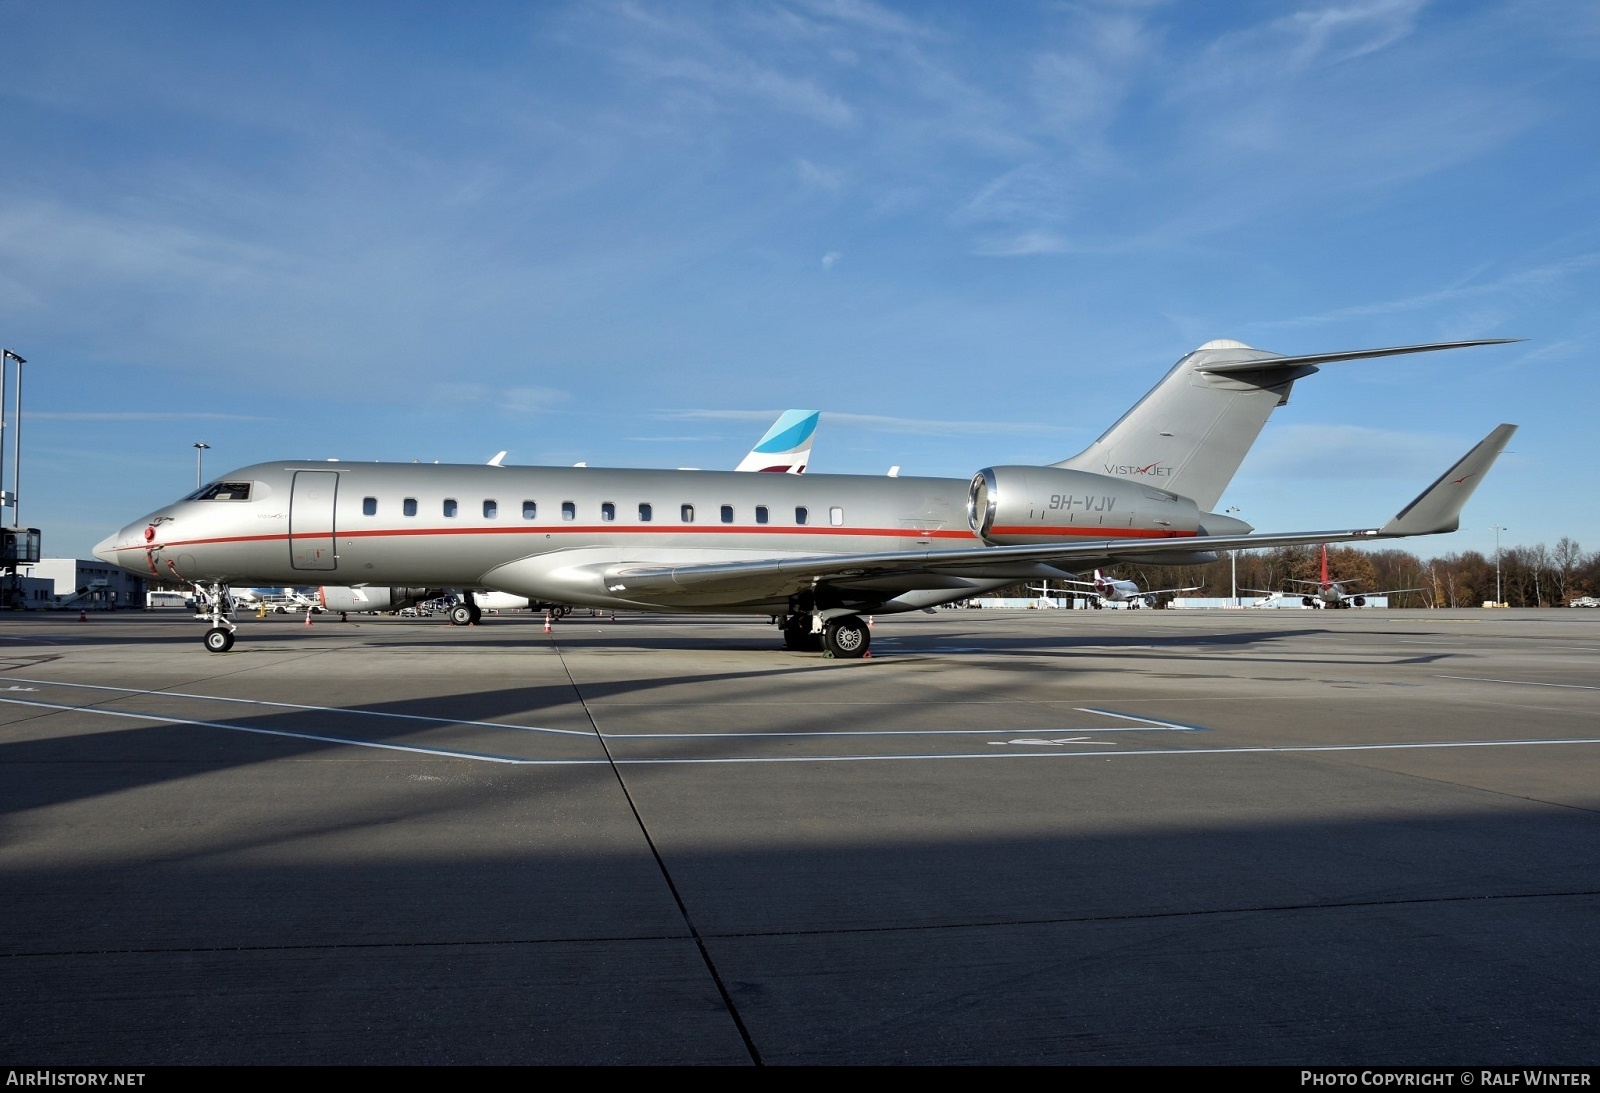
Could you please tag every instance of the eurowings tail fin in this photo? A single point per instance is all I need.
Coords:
(1438, 508)
(1189, 434)
(786, 447)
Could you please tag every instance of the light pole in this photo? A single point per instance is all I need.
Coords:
(1497, 530)
(6, 357)
(200, 447)
(1233, 562)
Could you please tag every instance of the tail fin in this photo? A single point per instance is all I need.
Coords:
(1438, 508)
(786, 447)
(1189, 434)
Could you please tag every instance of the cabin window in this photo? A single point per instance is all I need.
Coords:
(530, 510)
(686, 514)
(450, 508)
(569, 510)
(409, 506)
(608, 511)
(645, 512)
(800, 514)
(491, 510)
(727, 514)
(369, 506)
(761, 514)
(836, 516)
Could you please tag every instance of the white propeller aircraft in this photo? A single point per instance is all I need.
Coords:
(814, 552)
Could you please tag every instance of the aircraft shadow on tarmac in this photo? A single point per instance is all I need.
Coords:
(410, 934)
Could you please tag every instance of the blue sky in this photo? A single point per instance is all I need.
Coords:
(632, 233)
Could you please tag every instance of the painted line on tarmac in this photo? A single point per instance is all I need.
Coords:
(1142, 724)
(446, 753)
(1103, 754)
(299, 706)
(1526, 683)
(315, 737)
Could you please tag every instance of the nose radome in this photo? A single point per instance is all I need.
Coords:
(106, 550)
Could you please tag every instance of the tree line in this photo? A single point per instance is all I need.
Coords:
(1536, 576)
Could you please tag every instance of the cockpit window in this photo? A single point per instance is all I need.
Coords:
(222, 491)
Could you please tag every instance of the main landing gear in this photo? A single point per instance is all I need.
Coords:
(467, 612)
(845, 637)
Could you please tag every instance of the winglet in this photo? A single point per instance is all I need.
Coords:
(1438, 508)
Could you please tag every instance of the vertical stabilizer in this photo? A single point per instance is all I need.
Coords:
(1194, 428)
(786, 448)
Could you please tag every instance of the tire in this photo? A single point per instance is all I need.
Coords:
(846, 637)
(461, 615)
(219, 639)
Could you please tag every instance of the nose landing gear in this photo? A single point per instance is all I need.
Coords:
(219, 613)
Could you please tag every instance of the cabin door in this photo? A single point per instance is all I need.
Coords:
(311, 520)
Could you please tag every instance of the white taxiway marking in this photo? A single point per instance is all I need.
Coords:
(317, 737)
(479, 757)
(1526, 683)
(295, 706)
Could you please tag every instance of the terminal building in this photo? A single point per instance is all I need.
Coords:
(76, 584)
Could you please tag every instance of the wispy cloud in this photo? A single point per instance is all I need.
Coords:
(877, 422)
(138, 415)
(1542, 279)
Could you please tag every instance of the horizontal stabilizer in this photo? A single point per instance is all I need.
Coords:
(1438, 508)
(1265, 363)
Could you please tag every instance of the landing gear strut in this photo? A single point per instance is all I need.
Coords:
(844, 636)
(219, 613)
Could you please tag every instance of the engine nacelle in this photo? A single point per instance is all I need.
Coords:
(1308, 601)
(373, 599)
(1358, 601)
(1017, 505)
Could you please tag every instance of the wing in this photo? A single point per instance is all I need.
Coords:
(759, 579)
(1436, 509)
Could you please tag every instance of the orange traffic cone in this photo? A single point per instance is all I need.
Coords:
(869, 622)
(547, 624)
(83, 614)
(308, 618)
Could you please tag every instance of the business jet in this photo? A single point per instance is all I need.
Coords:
(1111, 590)
(784, 448)
(813, 552)
(1332, 594)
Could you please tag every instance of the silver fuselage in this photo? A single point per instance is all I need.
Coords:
(551, 532)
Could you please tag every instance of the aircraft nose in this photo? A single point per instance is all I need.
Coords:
(106, 549)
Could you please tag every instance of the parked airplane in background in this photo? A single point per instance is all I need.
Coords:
(1110, 590)
(785, 448)
(1332, 594)
(815, 552)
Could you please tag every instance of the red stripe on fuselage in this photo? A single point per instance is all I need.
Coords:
(569, 529)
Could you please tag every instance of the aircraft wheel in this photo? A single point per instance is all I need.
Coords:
(461, 615)
(846, 637)
(219, 639)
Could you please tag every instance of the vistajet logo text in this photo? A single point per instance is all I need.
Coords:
(1130, 470)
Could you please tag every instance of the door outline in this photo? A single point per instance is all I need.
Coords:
(311, 520)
